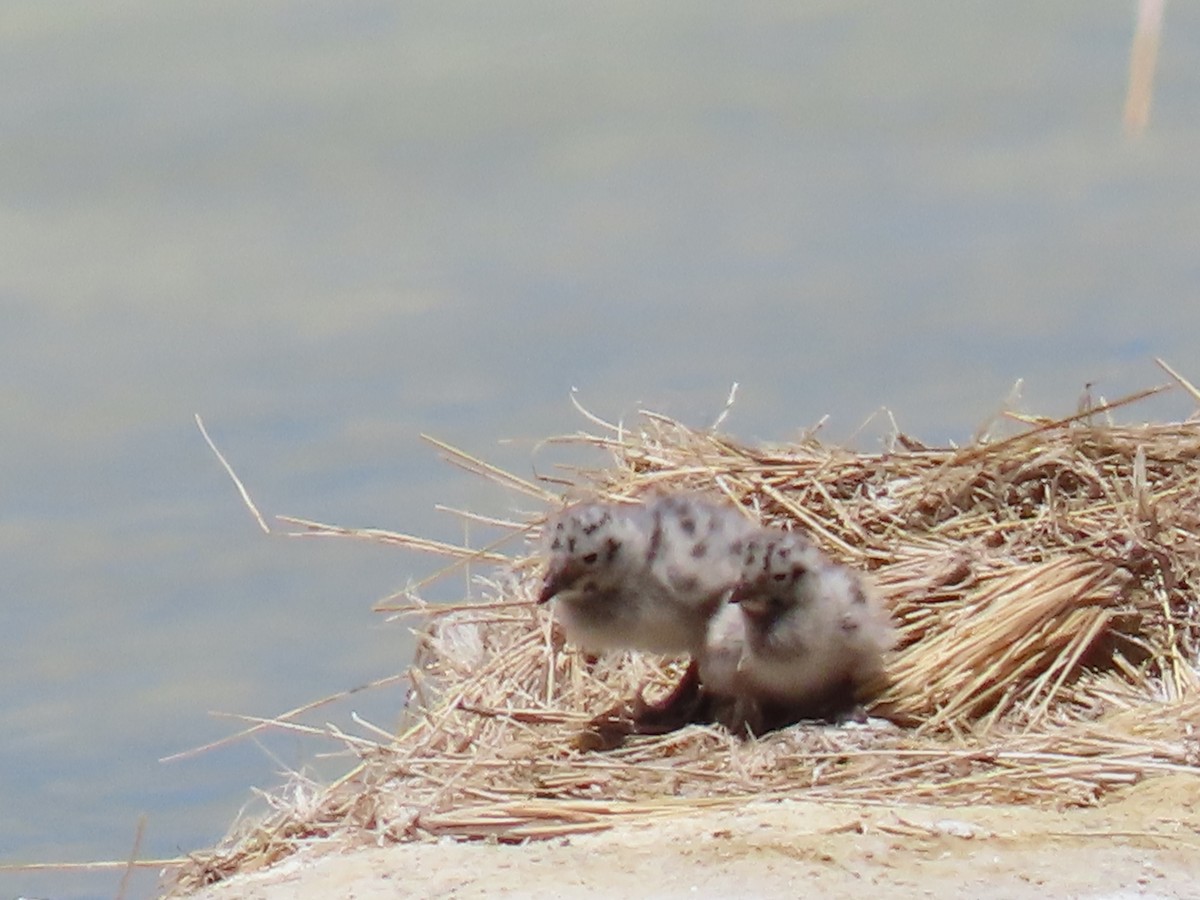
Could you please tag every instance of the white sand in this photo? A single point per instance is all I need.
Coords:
(1145, 844)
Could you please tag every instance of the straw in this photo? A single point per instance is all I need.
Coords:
(1044, 587)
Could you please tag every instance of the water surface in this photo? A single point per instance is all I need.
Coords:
(331, 227)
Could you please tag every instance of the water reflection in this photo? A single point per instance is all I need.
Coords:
(330, 229)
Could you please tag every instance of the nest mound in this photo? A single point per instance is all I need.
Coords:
(1045, 589)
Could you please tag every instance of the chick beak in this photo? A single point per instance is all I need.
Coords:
(754, 605)
(558, 580)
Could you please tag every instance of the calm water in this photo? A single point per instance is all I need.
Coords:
(328, 228)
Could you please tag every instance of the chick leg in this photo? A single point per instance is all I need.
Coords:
(608, 730)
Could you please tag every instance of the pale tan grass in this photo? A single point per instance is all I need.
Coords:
(1044, 586)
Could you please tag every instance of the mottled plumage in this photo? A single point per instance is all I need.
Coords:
(776, 630)
(644, 576)
(801, 636)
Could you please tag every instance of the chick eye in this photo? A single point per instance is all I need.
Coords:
(591, 558)
(791, 575)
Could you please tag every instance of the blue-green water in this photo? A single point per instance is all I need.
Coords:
(329, 227)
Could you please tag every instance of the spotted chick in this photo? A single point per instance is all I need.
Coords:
(643, 576)
(801, 636)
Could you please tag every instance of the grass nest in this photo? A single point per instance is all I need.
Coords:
(1045, 589)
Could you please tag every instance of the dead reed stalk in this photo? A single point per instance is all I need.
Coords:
(1045, 586)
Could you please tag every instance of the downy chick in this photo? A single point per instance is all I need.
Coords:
(801, 636)
(644, 576)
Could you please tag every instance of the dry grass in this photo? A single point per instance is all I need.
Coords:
(1045, 585)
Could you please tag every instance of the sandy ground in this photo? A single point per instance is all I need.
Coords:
(1146, 843)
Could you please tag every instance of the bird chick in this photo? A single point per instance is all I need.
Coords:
(801, 636)
(644, 576)
(648, 577)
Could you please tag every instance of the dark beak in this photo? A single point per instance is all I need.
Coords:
(550, 587)
(753, 603)
(557, 581)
